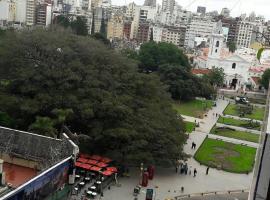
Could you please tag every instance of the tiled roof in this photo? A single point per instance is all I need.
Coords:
(200, 71)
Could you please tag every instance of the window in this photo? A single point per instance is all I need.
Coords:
(233, 65)
(217, 44)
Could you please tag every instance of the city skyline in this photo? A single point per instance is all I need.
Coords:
(238, 7)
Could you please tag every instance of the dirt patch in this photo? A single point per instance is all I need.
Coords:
(221, 154)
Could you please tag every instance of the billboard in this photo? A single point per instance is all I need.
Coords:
(44, 185)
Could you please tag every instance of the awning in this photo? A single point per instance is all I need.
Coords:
(96, 169)
(101, 164)
(82, 160)
(107, 173)
(96, 157)
(106, 160)
(92, 162)
(112, 169)
(86, 166)
(78, 164)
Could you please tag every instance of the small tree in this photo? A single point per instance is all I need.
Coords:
(231, 46)
(265, 79)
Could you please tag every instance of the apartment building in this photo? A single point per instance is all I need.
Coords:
(198, 28)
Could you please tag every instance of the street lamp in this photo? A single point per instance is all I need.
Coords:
(141, 168)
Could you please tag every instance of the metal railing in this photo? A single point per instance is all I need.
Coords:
(210, 193)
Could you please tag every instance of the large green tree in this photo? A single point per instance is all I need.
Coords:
(215, 77)
(152, 55)
(53, 77)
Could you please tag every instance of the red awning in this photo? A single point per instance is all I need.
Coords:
(112, 169)
(106, 160)
(101, 164)
(96, 169)
(82, 155)
(92, 162)
(86, 166)
(82, 160)
(96, 157)
(107, 173)
(78, 164)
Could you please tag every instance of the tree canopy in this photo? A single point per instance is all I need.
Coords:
(53, 77)
(152, 55)
(215, 77)
(173, 67)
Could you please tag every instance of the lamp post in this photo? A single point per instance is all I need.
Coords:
(141, 176)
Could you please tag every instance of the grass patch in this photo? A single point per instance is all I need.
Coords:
(257, 113)
(231, 133)
(226, 156)
(240, 123)
(194, 108)
(190, 126)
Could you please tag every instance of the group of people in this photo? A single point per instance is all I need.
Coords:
(183, 168)
(216, 115)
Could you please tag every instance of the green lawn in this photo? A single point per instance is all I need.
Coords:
(240, 123)
(257, 113)
(194, 108)
(190, 126)
(226, 156)
(241, 135)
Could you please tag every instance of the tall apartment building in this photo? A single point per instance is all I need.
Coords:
(198, 28)
(201, 9)
(44, 13)
(174, 35)
(127, 29)
(115, 27)
(30, 12)
(267, 35)
(141, 14)
(225, 12)
(231, 24)
(151, 3)
(244, 34)
(168, 5)
(143, 32)
(7, 10)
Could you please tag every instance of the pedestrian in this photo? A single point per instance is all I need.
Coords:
(192, 145)
(207, 170)
(216, 115)
(194, 172)
(195, 145)
(176, 169)
(182, 189)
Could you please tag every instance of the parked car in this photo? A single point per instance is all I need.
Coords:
(241, 100)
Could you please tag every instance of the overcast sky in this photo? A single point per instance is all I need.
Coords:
(261, 7)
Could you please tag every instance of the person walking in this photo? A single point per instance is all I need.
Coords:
(207, 170)
(194, 172)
